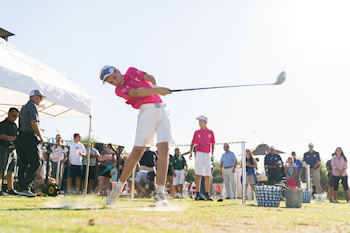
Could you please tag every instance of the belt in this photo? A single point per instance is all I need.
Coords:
(153, 105)
(228, 167)
(26, 131)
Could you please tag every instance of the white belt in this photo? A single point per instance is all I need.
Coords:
(153, 105)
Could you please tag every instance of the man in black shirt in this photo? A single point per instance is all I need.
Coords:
(8, 131)
(330, 179)
(313, 159)
(272, 164)
(148, 160)
(27, 143)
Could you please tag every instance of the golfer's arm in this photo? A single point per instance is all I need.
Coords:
(191, 150)
(212, 149)
(150, 78)
(138, 185)
(144, 92)
(172, 169)
(221, 166)
(6, 137)
(35, 126)
(186, 167)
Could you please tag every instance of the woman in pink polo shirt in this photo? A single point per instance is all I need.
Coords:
(140, 90)
(339, 165)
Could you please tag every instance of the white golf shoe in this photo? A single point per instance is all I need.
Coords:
(113, 196)
(160, 200)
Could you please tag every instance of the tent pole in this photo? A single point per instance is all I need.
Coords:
(88, 161)
(244, 173)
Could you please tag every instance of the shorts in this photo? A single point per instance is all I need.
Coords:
(3, 163)
(91, 172)
(153, 121)
(103, 171)
(75, 171)
(330, 180)
(250, 179)
(180, 177)
(202, 164)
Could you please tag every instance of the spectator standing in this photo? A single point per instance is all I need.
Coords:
(170, 177)
(339, 165)
(330, 179)
(227, 169)
(58, 154)
(106, 160)
(179, 167)
(27, 143)
(313, 159)
(299, 167)
(94, 154)
(251, 165)
(291, 171)
(204, 141)
(148, 160)
(8, 158)
(272, 164)
(75, 165)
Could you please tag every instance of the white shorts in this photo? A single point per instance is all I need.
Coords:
(202, 164)
(180, 177)
(151, 121)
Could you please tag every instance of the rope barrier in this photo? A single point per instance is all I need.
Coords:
(209, 144)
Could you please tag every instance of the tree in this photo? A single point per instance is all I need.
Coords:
(191, 176)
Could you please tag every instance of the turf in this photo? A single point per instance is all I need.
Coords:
(78, 214)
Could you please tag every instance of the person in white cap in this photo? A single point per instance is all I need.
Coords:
(140, 90)
(27, 143)
(204, 141)
(313, 159)
(272, 164)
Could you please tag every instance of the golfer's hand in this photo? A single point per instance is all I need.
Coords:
(190, 156)
(221, 174)
(311, 171)
(174, 174)
(163, 91)
(233, 170)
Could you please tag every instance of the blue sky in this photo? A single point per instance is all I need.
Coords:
(187, 44)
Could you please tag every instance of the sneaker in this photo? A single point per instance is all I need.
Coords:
(176, 195)
(208, 198)
(330, 200)
(12, 192)
(26, 193)
(199, 197)
(112, 198)
(181, 196)
(335, 201)
(160, 200)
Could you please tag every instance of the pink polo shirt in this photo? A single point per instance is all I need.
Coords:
(203, 137)
(134, 80)
(339, 163)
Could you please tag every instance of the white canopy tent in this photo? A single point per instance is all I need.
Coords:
(20, 74)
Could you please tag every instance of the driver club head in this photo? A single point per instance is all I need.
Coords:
(281, 78)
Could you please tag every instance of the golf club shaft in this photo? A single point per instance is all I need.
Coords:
(205, 88)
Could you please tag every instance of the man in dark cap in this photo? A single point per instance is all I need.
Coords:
(27, 143)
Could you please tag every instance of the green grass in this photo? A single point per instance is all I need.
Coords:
(19, 214)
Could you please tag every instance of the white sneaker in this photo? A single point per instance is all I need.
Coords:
(181, 196)
(176, 195)
(112, 198)
(160, 200)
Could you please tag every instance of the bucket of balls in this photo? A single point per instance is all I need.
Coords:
(268, 195)
(307, 196)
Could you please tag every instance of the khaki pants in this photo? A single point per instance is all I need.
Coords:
(316, 180)
(229, 181)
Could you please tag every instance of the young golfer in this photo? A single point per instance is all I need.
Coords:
(141, 92)
(204, 141)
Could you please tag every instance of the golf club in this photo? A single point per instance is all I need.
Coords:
(280, 79)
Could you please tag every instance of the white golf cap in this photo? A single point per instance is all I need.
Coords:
(272, 147)
(38, 93)
(311, 144)
(201, 117)
(106, 71)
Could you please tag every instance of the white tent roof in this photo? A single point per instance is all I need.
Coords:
(20, 74)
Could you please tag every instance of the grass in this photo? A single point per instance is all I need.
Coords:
(19, 214)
